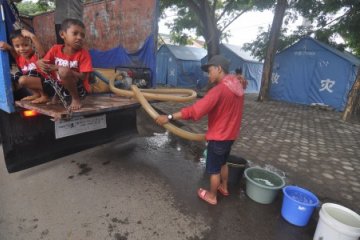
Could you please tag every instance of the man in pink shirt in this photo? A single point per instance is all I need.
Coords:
(224, 106)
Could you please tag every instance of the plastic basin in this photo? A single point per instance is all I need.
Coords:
(262, 185)
(337, 222)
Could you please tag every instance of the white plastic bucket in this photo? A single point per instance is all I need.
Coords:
(337, 223)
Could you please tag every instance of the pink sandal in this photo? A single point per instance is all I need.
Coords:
(202, 194)
(222, 191)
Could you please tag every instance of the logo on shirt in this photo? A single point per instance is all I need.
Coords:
(66, 63)
(29, 67)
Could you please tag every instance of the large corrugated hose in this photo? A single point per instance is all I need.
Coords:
(144, 95)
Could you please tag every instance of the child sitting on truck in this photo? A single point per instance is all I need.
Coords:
(69, 63)
(25, 56)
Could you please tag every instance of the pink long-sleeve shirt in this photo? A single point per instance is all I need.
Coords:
(224, 106)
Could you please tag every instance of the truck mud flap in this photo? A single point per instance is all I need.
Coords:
(28, 142)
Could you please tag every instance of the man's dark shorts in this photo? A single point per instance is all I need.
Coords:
(217, 154)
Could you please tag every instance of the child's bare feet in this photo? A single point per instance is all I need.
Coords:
(30, 98)
(75, 104)
(42, 99)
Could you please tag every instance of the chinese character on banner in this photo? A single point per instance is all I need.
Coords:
(275, 78)
(327, 84)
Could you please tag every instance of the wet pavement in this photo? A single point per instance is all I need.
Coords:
(144, 187)
(313, 147)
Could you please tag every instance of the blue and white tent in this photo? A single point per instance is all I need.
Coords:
(180, 66)
(313, 73)
(252, 69)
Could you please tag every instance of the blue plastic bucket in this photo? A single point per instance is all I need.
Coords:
(298, 205)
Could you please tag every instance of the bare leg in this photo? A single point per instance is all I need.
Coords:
(224, 174)
(69, 81)
(214, 185)
(33, 84)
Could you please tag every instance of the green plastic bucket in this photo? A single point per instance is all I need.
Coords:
(262, 185)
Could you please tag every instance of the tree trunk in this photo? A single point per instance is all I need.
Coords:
(211, 32)
(213, 46)
(355, 91)
(271, 50)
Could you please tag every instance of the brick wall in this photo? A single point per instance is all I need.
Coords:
(108, 24)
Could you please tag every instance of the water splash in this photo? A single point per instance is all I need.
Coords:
(273, 169)
(203, 157)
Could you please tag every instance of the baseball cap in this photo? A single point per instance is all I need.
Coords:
(217, 60)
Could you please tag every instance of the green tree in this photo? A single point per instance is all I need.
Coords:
(328, 19)
(333, 17)
(208, 18)
(32, 8)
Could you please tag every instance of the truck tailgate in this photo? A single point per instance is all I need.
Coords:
(92, 104)
(28, 142)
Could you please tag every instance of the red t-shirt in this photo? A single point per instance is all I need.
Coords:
(27, 65)
(79, 61)
(224, 106)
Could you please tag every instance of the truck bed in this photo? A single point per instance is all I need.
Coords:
(92, 104)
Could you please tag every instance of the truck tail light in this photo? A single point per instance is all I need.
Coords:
(29, 113)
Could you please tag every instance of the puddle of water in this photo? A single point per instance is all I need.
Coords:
(159, 140)
(156, 139)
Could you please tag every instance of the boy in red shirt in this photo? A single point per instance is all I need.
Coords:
(69, 64)
(29, 75)
(224, 106)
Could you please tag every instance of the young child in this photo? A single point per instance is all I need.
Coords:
(240, 76)
(69, 64)
(30, 76)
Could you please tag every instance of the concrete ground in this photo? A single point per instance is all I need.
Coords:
(140, 187)
(144, 187)
(314, 148)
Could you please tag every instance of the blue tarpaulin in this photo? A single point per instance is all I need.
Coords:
(6, 95)
(252, 69)
(180, 66)
(119, 57)
(313, 73)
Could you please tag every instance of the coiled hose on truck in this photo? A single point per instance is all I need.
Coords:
(175, 95)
